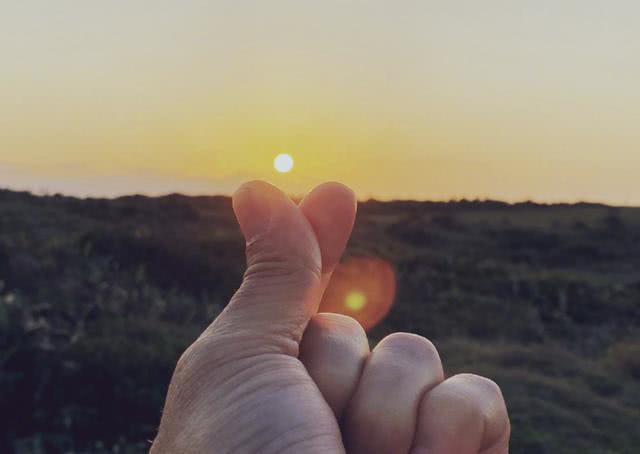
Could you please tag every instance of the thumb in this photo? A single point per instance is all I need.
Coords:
(285, 277)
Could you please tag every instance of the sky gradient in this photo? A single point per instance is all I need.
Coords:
(398, 99)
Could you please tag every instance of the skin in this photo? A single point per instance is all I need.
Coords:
(270, 375)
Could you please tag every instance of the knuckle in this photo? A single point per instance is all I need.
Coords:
(341, 324)
(482, 400)
(267, 258)
(207, 352)
(416, 347)
(281, 268)
(335, 336)
(458, 398)
(483, 384)
(193, 355)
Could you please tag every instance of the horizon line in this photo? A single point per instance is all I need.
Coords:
(453, 200)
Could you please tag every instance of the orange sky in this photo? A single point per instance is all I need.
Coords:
(407, 99)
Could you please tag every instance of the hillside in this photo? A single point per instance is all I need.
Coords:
(99, 297)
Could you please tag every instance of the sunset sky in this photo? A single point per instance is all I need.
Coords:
(398, 99)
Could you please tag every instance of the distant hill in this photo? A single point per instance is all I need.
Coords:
(99, 297)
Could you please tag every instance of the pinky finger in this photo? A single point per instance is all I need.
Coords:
(465, 414)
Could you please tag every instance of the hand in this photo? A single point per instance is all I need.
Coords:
(253, 384)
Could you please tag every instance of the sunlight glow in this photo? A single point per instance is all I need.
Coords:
(363, 288)
(355, 300)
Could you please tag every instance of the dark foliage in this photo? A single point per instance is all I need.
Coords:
(98, 298)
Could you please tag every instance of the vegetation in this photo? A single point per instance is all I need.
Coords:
(98, 298)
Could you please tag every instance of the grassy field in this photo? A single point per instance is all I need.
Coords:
(99, 297)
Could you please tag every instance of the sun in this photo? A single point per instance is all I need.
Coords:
(283, 163)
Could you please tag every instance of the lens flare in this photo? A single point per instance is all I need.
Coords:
(363, 288)
(355, 301)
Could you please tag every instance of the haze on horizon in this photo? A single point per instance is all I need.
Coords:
(408, 99)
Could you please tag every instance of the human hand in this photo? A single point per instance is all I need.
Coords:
(272, 376)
